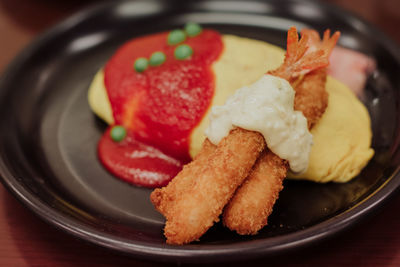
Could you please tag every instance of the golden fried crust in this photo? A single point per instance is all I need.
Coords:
(211, 186)
(311, 97)
(164, 198)
(248, 210)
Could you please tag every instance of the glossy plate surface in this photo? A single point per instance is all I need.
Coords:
(49, 135)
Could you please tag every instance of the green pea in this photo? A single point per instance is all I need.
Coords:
(176, 37)
(118, 133)
(192, 29)
(157, 58)
(141, 64)
(183, 52)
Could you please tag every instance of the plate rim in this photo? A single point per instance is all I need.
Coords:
(192, 252)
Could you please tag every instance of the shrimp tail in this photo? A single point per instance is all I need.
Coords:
(327, 43)
(299, 59)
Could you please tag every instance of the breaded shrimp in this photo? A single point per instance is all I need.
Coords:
(313, 104)
(311, 97)
(250, 207)
(197, 195)
(201, 200)
(248, 210)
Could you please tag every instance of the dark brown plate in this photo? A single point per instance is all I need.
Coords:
(48, 134)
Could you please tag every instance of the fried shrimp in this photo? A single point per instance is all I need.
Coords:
(196, 200)
(250, 207)
(196, 197)
(248, 210)
(311, 96)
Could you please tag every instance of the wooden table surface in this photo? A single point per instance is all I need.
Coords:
(27, 241)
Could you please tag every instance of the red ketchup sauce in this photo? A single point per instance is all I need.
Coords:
(160, 106)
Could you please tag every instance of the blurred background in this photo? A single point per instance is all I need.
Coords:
(21, 20)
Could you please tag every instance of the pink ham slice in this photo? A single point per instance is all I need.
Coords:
(351, 68)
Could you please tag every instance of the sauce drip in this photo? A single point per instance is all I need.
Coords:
(136, 162)
(160, 106)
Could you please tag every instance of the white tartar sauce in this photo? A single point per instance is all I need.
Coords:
(266, 106)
